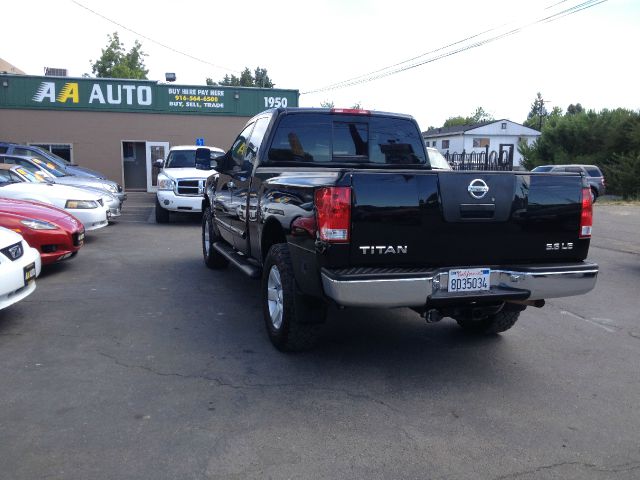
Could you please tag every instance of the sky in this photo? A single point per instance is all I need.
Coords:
(589, 57)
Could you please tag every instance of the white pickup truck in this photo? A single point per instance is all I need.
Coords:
(180, 184)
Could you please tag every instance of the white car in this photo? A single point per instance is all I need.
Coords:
(86, 206)
(19, 173)
(180, 184)
(19, 266)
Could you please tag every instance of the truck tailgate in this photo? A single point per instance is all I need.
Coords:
(428, 218)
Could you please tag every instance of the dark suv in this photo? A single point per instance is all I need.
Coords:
(593, 174)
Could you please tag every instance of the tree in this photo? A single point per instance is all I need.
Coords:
(116, 63)
(327, 104)
(260, 78)
(478, 116)
(609, 139)
(574, 109)
(535, 118)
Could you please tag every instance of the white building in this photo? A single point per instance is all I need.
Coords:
(498, 135)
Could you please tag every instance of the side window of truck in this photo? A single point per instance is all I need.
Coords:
(239, 148)
(256, 140)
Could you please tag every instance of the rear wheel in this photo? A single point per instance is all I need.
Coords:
(293, 321)
(162, 215)
(594, 195)
(496, 323)
(212, 258)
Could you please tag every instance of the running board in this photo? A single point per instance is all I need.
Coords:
(237, 260)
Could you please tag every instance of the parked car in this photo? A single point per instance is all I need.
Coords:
(56, 234)
(87, 207)
(593, 174)
(180, 184)
(19, 266)
(47, 156)
(20, 173)
(58, 175)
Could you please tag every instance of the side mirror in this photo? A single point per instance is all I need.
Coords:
(158, 163)
(203, 159)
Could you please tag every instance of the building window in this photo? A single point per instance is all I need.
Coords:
(128, 152)
(480, 142)
(64, 150)
(433, 144)
(504, 125)
(445, 143)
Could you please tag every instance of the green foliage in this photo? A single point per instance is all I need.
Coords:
(259, 78)
(327, 104)
(536, 117)
(478, 116)
(456, 121)
(623, 175)
(609, 139)
(116, 63)
(574, 109)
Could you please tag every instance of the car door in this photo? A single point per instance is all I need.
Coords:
(225, 198)
(244, 199)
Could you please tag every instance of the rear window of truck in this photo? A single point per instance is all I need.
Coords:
(339, 139)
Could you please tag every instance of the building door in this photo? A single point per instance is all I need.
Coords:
(134, 165)
(155, 151)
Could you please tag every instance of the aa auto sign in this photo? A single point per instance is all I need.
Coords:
(98, 94)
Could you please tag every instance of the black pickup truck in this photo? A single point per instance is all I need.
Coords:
(343, 206)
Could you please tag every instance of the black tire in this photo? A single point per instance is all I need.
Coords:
(500, 322)
(301, 317)
(212, 258)
(162, 215)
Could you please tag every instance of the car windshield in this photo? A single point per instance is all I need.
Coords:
(57, 159)
(186, 158)
(30, 176)
(6, 177)
(52, 168)
(593, 171)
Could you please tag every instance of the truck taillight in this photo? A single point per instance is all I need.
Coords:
(333, 210)
(351, 111)
(586, 216)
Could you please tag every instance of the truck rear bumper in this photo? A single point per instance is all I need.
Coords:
(378, 287)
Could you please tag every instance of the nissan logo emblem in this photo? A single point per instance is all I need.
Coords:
(478, 188)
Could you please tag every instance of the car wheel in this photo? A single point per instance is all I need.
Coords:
(594, 195)
(499, 322)
(162, 215)
(293, 321)
(212, 258)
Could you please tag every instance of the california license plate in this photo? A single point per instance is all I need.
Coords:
(29, 273)
(469, 279)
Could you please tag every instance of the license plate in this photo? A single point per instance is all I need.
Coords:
(29, 273)
(469, 279)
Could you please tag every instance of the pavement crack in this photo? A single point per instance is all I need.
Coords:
(222, 383)
(624, 467)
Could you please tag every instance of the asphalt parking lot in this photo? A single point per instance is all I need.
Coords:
(134, 361)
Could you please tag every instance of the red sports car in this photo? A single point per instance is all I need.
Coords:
(56, 234)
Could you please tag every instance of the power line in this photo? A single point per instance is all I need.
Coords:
(152, 40)
(433, 51)
(386, 71)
